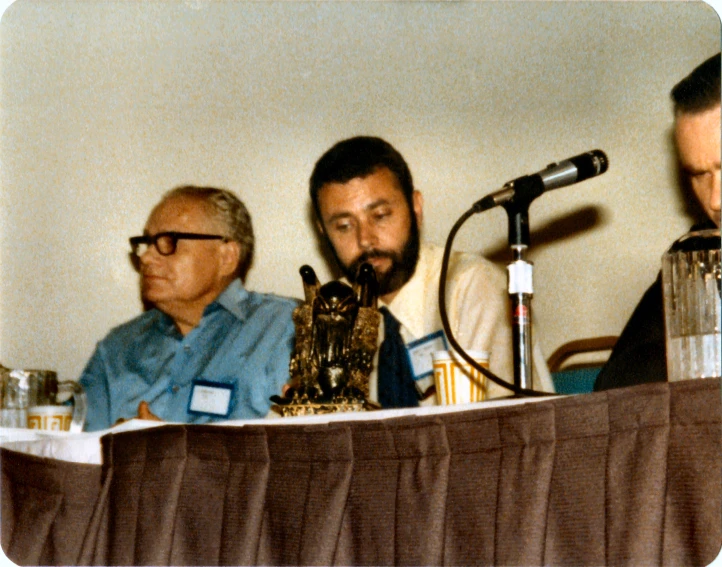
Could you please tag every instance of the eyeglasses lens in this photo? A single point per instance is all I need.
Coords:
(140, 248)
(165, 243)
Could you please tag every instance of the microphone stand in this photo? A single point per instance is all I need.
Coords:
(515, 197)
(521, 289)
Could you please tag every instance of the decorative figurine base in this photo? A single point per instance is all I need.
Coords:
(310, 408)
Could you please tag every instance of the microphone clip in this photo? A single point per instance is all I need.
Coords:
(518, 193)
(525, 190)
(515, 196)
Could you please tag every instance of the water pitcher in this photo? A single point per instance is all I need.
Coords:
(691, 286)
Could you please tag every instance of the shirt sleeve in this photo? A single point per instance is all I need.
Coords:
(94, 381)
(277, 369)
(273, 352)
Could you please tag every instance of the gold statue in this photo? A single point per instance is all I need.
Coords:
(336, 339)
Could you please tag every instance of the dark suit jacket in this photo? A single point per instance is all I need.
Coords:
(640, 354)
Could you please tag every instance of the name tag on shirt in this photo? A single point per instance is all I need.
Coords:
(420, 352)
(211, 398)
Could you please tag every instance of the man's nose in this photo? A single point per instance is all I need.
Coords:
(148, 257)
(366, 236)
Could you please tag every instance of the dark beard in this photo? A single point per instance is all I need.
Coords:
(403, 264)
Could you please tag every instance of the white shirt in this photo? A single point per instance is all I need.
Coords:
(479, 314)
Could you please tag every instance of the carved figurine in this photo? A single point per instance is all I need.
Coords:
(336, 339)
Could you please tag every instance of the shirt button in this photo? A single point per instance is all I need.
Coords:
(175, 389)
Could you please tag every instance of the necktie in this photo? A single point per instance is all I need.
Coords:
(396, 388)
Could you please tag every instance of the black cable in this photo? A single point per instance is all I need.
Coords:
(445, 319)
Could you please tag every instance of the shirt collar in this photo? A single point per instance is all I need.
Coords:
(232, 299)
(405, 306)
(165, 324)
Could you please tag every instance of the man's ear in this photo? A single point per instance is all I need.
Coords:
(418, 205)
(320, 228)
(230, 257)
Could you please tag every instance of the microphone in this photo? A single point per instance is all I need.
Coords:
(567, 172)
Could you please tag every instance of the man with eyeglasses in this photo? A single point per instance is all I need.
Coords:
(206, 348)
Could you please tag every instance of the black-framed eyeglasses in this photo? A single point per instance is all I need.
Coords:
(166, 242)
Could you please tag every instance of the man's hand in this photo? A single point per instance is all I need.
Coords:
(145, 413)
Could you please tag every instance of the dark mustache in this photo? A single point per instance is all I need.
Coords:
(373, 254)
(353, 268)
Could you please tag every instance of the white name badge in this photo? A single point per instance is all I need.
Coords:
(420, 352)
(211, 398)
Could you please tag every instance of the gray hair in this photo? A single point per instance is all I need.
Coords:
(230, 211)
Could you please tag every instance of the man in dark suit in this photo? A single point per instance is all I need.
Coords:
(639, 355)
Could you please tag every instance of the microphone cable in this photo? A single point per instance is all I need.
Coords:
(518, 391)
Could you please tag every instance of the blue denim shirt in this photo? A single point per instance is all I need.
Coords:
(244, 339)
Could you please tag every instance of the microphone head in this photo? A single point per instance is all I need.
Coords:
(590, 164)
(601, 161)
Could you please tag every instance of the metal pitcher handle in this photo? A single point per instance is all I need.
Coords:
(80, 405)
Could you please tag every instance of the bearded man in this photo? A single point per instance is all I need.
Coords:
(368, 211)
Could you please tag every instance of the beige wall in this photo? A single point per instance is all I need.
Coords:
(105, 105)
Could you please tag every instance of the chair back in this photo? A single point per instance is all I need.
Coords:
(578, 376)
